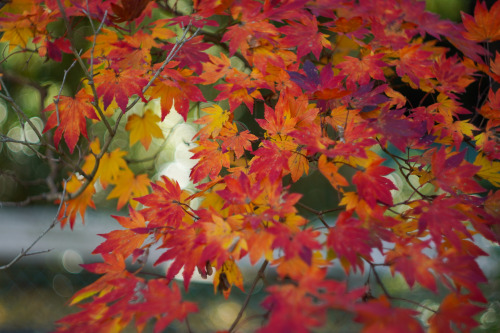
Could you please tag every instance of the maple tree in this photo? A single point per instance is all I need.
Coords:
(279, 90)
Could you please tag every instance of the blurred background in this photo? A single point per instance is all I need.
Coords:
(35, 291)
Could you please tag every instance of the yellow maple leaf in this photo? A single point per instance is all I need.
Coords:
(228, 275)
(350, 200)
(129, 186)
(111, 165)
(17, 33)
(144, 128)
(213, 122)
(490, 170)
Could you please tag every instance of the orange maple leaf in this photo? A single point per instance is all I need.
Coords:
(331, 172)
(69, 118)
(125, 241)
(76, 205)
(217, 69)
(144, 128)
(235, 140)
(485, 25)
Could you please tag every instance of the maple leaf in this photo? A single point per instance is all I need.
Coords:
(295, 244)
(259, 245)
(457, 309)
(127, 187)
(125, 241)
(191, 54)
(184, 248)
(330, 171)
(120, 85)
(129, 10)
(270, 161)
(372, 186)
(454, 173)
(298, 164)
(322, 86)
(69, 118)
(441, 218)
(292, 310)
(490, 170)
(226, 277)
(154, 295)
(360, 71)
(238, 141)
(211, 160)
(19, 29)
(216, 69)
(351, 241)
(144, 128)
(175, 88)
(240, 89)
(240, 35)
(164, 203)
(278, 121)
(294, 36)
(398, 129)
(301, 306)
(408, 259)
(76, 205)
(458, 271)
(113, 267)
(378, 315)
(213, 122)
(111, 165)
(484, 26)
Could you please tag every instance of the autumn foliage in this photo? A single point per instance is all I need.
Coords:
(296, 87)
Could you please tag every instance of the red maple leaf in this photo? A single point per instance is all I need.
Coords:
(120, 85)
(372, 186)
(359, 71)
(164, 204)
(69, 117)
(351, 241)
(175, 88)
(154, 305)
(408, 259)
(270, 161)
(191, 54)
(454, 174)
(380, 316)
(294, 36)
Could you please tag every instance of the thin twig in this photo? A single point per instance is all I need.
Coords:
(56, 100)
(259, 276)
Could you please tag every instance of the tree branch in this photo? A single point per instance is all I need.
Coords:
(260, 275)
